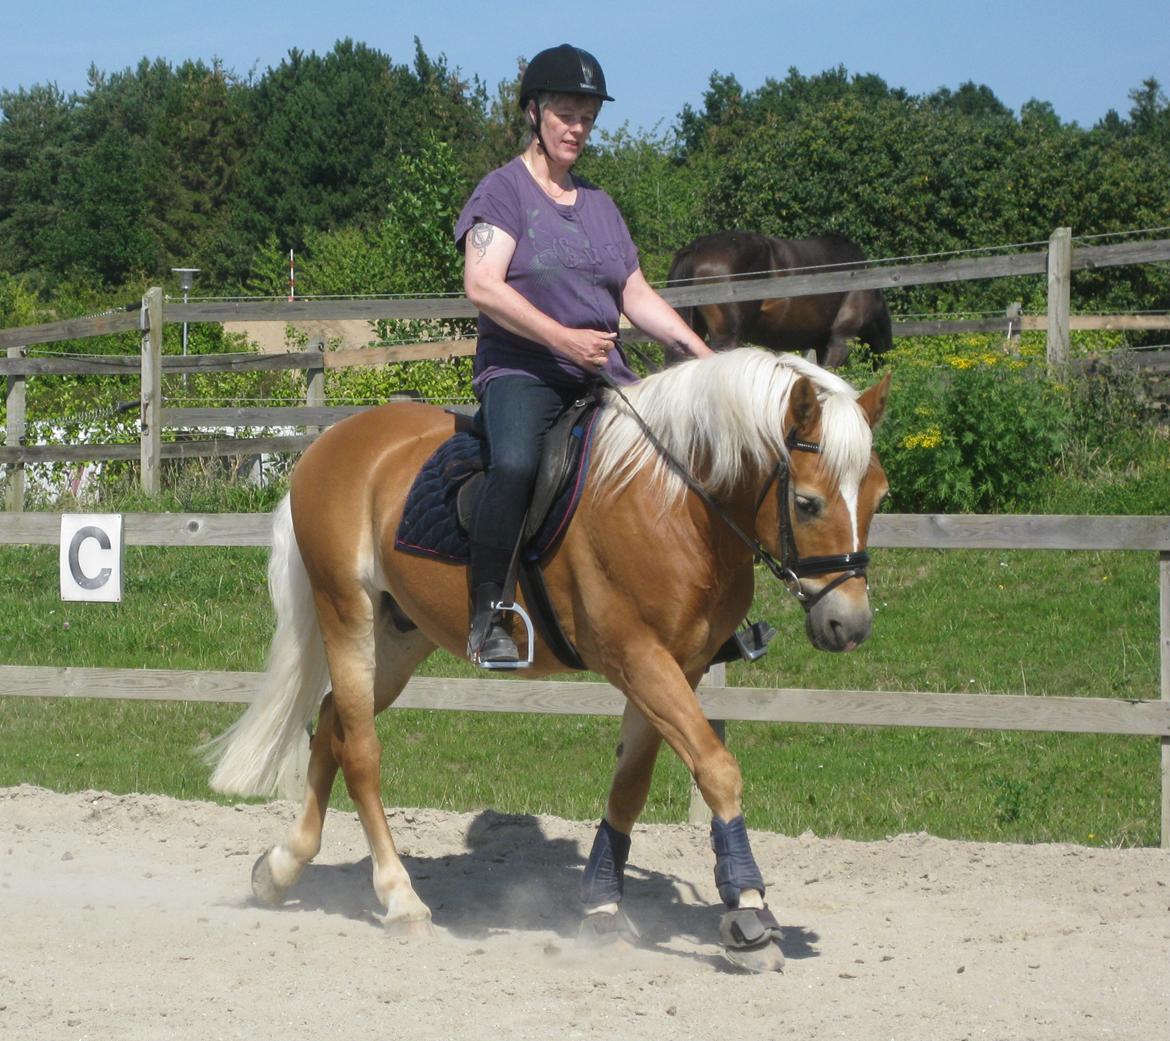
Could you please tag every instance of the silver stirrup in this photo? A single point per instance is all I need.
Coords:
(515, 608)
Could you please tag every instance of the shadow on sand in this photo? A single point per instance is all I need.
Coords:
(512, 877)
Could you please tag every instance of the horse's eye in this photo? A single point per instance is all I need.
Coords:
(808, 506)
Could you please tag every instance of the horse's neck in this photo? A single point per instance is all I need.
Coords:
(735, 510)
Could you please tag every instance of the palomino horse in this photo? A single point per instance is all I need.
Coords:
(825, 322)
(777, 449)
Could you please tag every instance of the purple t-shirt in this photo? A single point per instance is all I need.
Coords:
(571, 262)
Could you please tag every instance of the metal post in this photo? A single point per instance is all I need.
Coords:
(186, 277)
(1015, 320)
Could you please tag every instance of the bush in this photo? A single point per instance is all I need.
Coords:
(1117, 456)
(969, 428)
(443, 382)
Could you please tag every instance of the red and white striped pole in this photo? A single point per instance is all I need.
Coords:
(292, 278)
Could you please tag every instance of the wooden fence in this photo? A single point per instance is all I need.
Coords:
(1068, 713)
(1075, 712)
(1059, 261)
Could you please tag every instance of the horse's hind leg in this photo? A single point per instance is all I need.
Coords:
(356, 678)
(282, 865)
(339, 741)
(603, 882)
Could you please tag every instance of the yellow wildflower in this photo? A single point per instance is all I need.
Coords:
(931, 437)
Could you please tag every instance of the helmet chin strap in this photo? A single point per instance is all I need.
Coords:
(535, 124)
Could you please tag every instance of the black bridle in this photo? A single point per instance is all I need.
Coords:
(791, 568)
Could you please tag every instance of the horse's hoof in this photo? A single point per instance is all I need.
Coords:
(768, 958)
(751, 940)
(264, 885)
(607, 930)
(410, 928)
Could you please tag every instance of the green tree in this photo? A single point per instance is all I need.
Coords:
(199, 135)
(102, 231)
(36, 137)
(418, 232)
(329, 129)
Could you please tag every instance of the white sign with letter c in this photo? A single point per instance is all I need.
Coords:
(91, 557)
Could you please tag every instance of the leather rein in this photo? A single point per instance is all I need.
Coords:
(791, 568)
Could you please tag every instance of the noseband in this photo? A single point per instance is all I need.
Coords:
(791, 568)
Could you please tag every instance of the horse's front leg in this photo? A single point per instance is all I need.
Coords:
(835, 353)
(665, 702)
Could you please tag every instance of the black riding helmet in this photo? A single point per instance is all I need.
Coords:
(563, 70)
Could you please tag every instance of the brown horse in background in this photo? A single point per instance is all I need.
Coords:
(824, 323)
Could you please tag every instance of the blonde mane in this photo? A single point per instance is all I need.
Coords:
(723, 416)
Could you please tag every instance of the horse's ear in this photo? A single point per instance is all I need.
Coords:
(873, 400)
(803, 405)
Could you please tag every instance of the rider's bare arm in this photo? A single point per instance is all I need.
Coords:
(653, 315)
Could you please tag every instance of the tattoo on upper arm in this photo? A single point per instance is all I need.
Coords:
(481, 238)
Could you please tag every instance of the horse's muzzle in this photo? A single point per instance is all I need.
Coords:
(839, 621)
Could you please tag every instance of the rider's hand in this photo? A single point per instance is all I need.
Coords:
(589, 348)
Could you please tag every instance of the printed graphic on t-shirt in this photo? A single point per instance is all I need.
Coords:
(570, 250)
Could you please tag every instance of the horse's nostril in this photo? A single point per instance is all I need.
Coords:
(842, 635)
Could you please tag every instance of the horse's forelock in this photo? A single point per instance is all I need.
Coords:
(846, 439)
(721, 414)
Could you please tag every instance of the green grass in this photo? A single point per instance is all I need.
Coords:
(985, 622)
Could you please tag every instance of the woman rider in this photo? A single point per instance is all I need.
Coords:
(550, 265)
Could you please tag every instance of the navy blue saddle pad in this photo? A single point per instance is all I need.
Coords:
(430, 521)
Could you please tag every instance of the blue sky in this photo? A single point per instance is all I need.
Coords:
(1083, 56)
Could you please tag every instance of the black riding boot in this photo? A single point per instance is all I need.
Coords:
(489, 639)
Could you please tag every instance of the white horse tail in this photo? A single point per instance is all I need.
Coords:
(266, 751)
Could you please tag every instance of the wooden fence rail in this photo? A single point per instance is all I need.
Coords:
(1083, 258)
(16, 453)
(1060, 260)
(1074, 714)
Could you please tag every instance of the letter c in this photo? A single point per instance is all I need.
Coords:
(79, 576)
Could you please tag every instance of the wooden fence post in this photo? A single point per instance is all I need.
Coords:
(15, 430)
(315, 391)
(1164, 641)
(698, 813)
(1059, 294)
(150, 420)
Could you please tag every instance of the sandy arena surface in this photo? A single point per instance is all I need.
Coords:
(131, 917)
